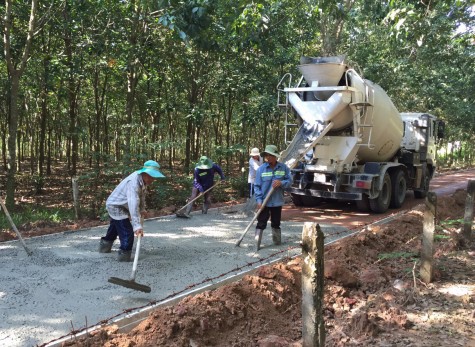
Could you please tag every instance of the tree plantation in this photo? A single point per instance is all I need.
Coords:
(103, 86)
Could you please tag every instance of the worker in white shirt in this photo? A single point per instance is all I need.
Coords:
(125, 206)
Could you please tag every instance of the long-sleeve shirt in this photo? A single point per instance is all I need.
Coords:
(128, 199)
(203, 178)
(265, 175)
(253, 166)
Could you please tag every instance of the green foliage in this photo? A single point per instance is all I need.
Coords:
(439, 237)
(239, 185)
(38, 183)
(168, 192)
(130, 81)
(397, 255)
(32, 214)
(451, 222)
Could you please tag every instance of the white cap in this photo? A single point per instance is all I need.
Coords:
(254, 152)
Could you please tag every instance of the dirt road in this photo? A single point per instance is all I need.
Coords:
(347, 215)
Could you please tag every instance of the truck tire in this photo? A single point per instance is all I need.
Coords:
(297, 200)
(363, 204)
(422, 192)
(381, 203)
(305, 201)
(398, 189)
(311, 201)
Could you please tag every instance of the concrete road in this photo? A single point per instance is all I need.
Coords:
(63, 286)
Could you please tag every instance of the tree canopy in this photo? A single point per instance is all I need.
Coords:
(97, 82)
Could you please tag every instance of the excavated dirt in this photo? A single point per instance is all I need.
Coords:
(373, 296)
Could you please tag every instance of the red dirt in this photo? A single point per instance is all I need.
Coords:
(373, 297)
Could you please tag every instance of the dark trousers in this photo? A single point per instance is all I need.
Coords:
(251, 189)
(275, 214)
(194, 193)
(123, 229)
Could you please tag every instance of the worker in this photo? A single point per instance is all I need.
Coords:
(270, 174)
(254, 162)
(203, 179)
(126, 207)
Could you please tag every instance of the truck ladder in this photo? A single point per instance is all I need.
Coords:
(288, 125)
(361, 112)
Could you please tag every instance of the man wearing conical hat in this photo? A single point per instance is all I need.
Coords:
(271, 174)
(125, 206)
(203, 179)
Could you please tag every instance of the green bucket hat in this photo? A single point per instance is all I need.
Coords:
(272, 150)
(151, 167)
(204, 163)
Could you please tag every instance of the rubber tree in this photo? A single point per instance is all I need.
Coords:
(16, 67)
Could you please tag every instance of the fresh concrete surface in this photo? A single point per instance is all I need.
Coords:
(63, 286)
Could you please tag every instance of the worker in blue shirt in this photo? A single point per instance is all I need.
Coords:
(203, 179)
(276, 175)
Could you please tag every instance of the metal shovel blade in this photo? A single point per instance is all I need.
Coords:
(130, 284)
(182, 215)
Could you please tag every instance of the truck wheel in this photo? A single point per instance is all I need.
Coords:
(297, 200)
(363, 204)
(398, 189)
(311, 201)
(422, 192)
(381, 203)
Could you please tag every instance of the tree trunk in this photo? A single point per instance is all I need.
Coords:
(11, 142)
(14, 75)
(43, 118)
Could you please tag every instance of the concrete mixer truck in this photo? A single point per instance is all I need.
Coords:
(351, 142)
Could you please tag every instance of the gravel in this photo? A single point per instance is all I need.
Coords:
(63, 286)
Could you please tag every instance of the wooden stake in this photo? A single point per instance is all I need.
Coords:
(468, 216)
(428, 229)
(313, 329)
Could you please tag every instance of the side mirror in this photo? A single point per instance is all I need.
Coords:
(441, 129)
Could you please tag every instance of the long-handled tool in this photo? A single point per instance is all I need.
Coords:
(250, 206)
(181, 214)
(131, 283)
(255, 216)
(14, 227)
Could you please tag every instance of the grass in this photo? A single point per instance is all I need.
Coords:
(31, 214)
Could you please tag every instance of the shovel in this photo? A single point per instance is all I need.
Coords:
(131, 283)
(255, 216)
(182, 214)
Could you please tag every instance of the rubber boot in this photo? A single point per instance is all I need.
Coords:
(124, 256)
(258, 238)
(276, 236)
(188, 211)
(105, 246)
(205, 208)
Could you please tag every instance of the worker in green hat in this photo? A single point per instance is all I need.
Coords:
(203, 179)
(270, 174)
(125, 206)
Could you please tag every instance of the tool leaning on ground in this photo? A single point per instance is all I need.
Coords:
(255, 217)
(131, 283)
(182, 214)
(15, 228)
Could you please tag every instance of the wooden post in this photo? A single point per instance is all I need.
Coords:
(313, 328)
(77, 207)
(428, 229)
(468, 217)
